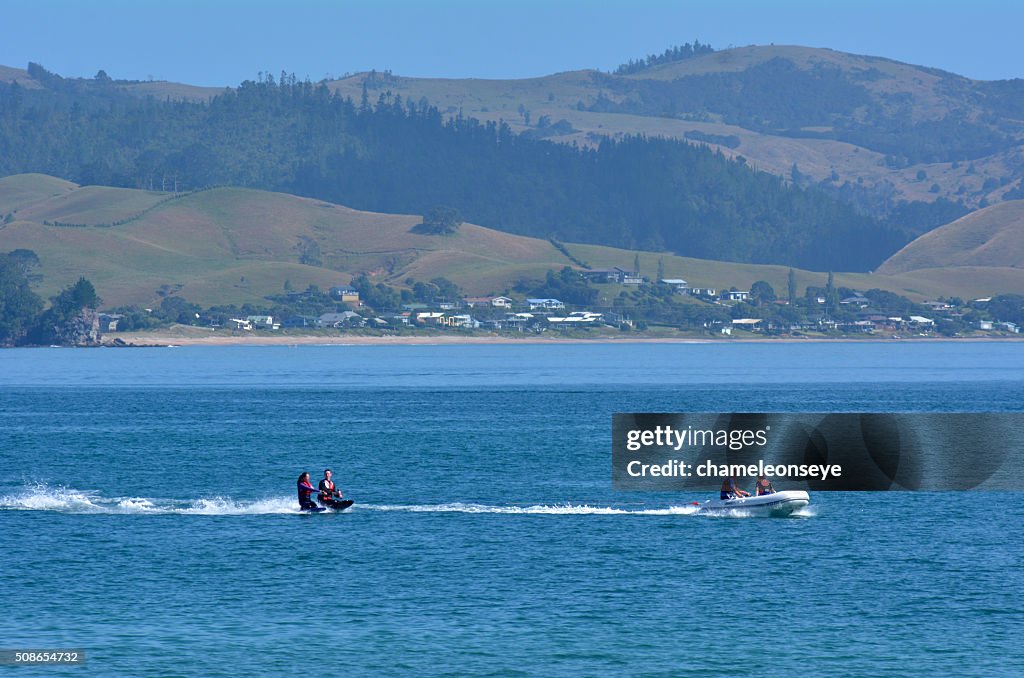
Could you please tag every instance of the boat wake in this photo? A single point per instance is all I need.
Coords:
(537, 509)
(42, 497)
(60, 499)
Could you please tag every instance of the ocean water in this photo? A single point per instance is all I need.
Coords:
(148, 516)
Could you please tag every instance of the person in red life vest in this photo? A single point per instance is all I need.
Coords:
(305, 489)
(330, 495)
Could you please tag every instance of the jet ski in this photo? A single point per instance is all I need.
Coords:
(336, 504)
(776, 504)
(332, 506)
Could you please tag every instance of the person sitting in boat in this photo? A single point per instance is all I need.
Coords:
(305, 490)
(730, 489)
(764, 486)
(330, 495)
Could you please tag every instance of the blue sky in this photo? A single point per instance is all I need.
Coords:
(222, 42)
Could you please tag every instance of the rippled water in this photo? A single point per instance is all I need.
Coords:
(147, 515)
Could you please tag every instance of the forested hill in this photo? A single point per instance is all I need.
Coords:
(402, 156)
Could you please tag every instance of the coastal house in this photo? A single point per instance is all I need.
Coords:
(1010, 327)
(462, 320)
(629, 277)
(493, 302)
(345, 294)
(603, 275)
(340, 320)
(574, 319)
(984, 325)
(263, 322)
(545, 304)
(518, 321)
(704, 292)
(921, 322)
(239, 324)
(748, 324)
(430, 318)
(398, 318)
(678, 285)
(735, 295)
(856, 300)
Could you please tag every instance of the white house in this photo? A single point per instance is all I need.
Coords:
(545, 304)
(735, 295)
(678, 284)
(430, 318)
(709, 292)
(263, 322)
(494, 302)
(461, 321)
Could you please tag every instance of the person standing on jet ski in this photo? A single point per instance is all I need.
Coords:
(305, 489)
(330, 495)
(764, 486)
(730, 490)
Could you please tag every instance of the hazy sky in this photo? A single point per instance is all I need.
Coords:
(222, 42)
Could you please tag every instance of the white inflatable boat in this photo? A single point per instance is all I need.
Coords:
(775, 504)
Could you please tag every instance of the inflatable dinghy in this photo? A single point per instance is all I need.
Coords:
(776, 504)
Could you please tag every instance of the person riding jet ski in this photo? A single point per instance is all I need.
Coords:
(330, 495)
(305, 489)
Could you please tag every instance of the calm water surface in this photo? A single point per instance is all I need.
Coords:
(147, 515)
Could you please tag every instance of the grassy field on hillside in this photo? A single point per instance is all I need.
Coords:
(235, 245)
(991, 237)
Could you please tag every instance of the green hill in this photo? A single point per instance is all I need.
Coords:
(863, 124)
(235, 245)
(992, 238)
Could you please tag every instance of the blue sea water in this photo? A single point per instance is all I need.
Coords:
(147, 516)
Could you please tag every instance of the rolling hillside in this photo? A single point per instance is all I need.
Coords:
(867, 123)
(234, 245)
(854, 122)
(991, 237)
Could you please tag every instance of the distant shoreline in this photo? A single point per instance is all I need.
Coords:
(137, 339)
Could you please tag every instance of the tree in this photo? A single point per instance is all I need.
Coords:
(439, 220)
(762, 292)
(636, 263)
(19, 305)
(28, 260)
(67, 319)
(791, 286)
(661, 269)
(831, 295)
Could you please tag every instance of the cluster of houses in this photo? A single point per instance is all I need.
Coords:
(537, 315)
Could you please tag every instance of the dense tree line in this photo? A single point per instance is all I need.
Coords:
(393, 155)
(779, 97)
(672, 54)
